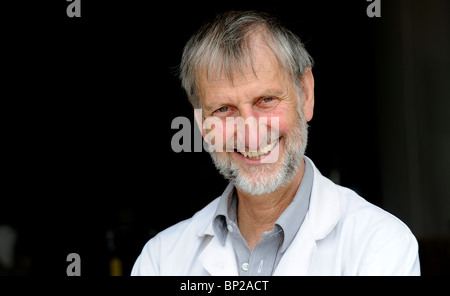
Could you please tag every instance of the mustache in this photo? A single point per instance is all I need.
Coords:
(240, 146)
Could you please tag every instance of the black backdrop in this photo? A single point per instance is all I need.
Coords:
(88, 106)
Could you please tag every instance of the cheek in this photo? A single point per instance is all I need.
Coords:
(284, 120)
(284, 128)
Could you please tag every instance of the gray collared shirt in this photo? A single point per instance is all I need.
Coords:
(268, 252)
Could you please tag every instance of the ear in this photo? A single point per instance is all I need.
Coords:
(307, 84)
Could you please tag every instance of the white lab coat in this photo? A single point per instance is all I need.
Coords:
(342, 234)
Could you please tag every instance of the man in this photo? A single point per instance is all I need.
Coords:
(279, 215)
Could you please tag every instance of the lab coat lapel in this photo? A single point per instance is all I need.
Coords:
(218, 259)
(298, 258)
(323, 215)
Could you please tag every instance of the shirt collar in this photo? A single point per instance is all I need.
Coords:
(292, 218)
(289, 221)
(224, 207)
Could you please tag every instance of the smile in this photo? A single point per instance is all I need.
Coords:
(255, 155)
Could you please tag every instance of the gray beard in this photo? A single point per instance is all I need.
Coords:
(266, 178)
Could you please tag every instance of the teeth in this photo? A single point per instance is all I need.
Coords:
(262, 152)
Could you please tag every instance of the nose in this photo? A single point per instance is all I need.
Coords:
(247, 112)
(248, 130)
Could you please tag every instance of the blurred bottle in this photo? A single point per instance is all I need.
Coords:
(115, 263)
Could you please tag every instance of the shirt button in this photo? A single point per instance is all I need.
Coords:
(245, 266)
(230, 228)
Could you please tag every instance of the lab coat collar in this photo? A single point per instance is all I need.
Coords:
(207, 228)
(325, 208)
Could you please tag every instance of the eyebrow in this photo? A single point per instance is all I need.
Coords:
(209, 108)
(274, 92)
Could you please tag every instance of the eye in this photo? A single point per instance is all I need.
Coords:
(268, 102)
(223, 109)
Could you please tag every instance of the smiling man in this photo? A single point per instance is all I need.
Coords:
(278, 215)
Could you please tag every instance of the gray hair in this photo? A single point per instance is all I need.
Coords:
(224, 45)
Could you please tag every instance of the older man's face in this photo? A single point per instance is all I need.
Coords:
(261, 150)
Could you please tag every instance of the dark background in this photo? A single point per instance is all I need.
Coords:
(87, 106)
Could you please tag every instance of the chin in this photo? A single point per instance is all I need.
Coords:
(259, 179)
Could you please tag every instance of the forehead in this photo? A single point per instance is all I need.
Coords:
(260, 71)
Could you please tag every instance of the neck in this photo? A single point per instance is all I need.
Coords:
(258, 213)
